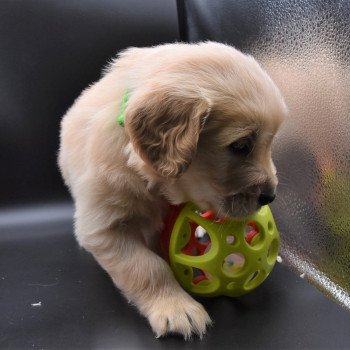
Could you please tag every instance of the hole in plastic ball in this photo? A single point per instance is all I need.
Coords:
(186, 272)
(200, 277)
(233, 263)
(252, 233)
(230, 239)
(199, 242)
(231, 285)
(252, 277)
(270, 226)
(253, 280)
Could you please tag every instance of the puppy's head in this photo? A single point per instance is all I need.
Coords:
(205, 125)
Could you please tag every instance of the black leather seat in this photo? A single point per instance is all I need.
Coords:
(53, 295)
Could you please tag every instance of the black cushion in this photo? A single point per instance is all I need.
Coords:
(81, 309)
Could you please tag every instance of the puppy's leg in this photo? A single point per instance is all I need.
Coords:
(144, 278)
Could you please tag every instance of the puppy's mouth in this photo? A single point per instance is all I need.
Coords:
(240, 205)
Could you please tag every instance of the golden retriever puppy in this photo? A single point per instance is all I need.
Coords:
(199, 123)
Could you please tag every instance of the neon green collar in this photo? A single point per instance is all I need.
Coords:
(121, 117)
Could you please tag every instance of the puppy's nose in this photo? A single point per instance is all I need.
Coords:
(266, 198)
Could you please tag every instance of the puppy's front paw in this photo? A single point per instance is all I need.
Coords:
(178, 314)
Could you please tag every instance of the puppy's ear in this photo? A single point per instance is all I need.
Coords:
(164, 127)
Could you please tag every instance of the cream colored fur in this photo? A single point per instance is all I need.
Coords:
(187, 104)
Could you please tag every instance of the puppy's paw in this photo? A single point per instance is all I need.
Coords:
(179, 314)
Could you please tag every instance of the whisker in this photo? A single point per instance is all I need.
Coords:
(281, 199)
(219, 211)
(282, 176)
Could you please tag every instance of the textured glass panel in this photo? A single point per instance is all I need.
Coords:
(305, 46)
(306, 49)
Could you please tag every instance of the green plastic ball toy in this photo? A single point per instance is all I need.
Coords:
(211, 256)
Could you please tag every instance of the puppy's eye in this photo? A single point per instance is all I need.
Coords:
(241, 147)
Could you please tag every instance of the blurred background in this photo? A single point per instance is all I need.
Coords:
(50, 51)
